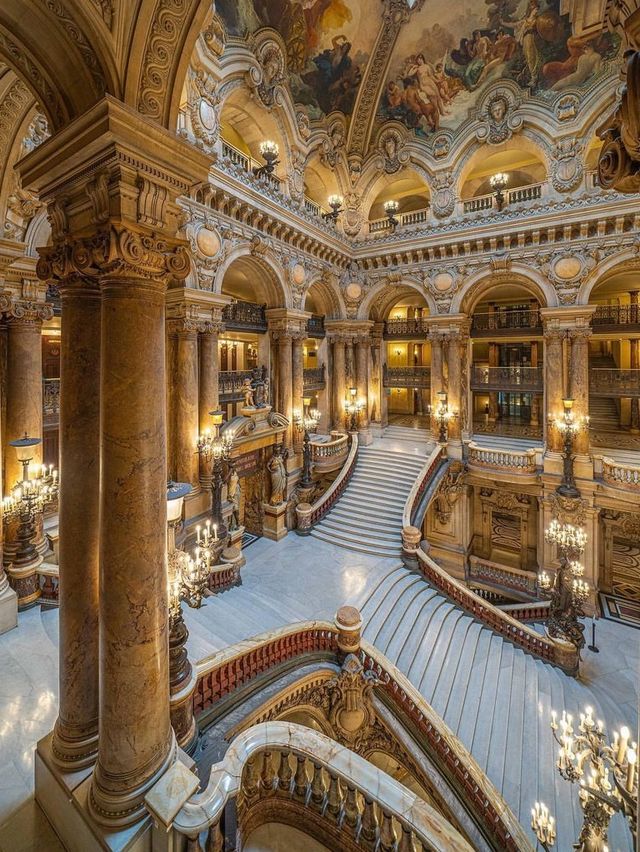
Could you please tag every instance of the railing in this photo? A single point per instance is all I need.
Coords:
(245, 316)
(330, 456)
(247, 163)
(517, 461)
(612, 316)
(233, 668)
(621, 474)
(51, 397)
(307, 514)
(497, 620)
(536, 612)
(315, 326)
(502, 577)
(225, 576)
(532, 192)
(312, 207)
(403, 328)
(230, 382)
(314, 378)
(420, 486)
(606, 381)
(506, 322)
(415, 217)
(406, 377)
(507, 378)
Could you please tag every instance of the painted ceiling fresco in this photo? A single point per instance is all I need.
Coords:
(328, 44)
(451, 50)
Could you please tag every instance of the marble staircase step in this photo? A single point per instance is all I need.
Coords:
(373, 535)
(353, 544)
(364, 522)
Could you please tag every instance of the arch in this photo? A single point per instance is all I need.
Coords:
(327, 296)
(482, 282)
(38, 233)
(381, 298)
(512, 148)
(262, 272)
(627, 260)
(374, 183)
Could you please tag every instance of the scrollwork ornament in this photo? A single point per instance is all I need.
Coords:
(443, 196)
(567, 167)
(270, 75)
(204, 108)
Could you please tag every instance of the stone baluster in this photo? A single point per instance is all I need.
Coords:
(553, 383)
(579, 382)
(338, 387)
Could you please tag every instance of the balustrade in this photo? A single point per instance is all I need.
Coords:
(414, 217)
(608, 317)
(315, 326)
(423, 480)
(314, 378)
(502, 577)
(607, 381)
(518, 195)
(621, 474)
(230, 382)
(519, 461)
(51, 398)
(330, 449)
(506, 322)
(507, 378)
(405, 328)
(406, 377)
(307, 515)
(245, 316)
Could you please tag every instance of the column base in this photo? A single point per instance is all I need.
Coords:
(275, 521)
(365, 437)
(8, 607)
(235, 537)
(183, 721)
(25, 583)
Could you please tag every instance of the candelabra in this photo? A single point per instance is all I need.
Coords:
(335, 203)
(543, 825)
(569, 426)
(568, 592)
(443, 415)
(307, 422)
(606, 773)
(216, 446)
(269, 151)
(28, 499)
(353, 409)
(498, 185)
(390, 209)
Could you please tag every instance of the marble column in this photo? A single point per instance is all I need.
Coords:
(338, 386)
(285, 395)
(8, 598)
(208, 391)
(24, 390)
(75, 738)
(634, 363)
(362, 381)
(184, 399)
(350, 363)
(493, 395)
(579, 383)
(297, 386)
(437, 378)
(456, 345)
(136, 740)
(553, 384)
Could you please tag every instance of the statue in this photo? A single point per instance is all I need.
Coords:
(233, 496)
(259, 384)
(278, 471)
(565, 607)
(247, 390)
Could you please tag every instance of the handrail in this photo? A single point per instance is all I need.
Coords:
(611, 381)
(235, 773)
(232, 668)
(621, 474)
(520, 461)
(330, 448)
(420, 485)
(519, 634)
(307, 514)
(534, 611)
(506, 378)
(502, 577)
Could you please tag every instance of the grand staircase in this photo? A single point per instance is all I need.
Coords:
(603, 410)
(368, 517)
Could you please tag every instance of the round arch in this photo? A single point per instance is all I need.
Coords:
(260, 273)
(380, 299)
(476, 287)
(515, 146)
(327, 297)
(625, 261)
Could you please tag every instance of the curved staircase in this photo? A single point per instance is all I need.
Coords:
(368, 516)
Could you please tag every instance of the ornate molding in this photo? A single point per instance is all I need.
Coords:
(619, 160)
(46, 94)
(76, 35)
(496, 114)
(162, 42)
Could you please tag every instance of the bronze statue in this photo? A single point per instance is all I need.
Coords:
(233, 496)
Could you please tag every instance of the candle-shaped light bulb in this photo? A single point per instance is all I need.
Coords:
(622, 744)
(632, 757)
(215, 532)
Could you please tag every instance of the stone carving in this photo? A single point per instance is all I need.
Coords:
(390, 146)
(352, 284)
(247, 392)
(260, 386)
(214, 37)
(79, 39)
(46, 94)
(333, 144)
(443, 194)
(441, 145)
(619, 160)
(353, 217)
(567, 107)
(496, 116)
(351, 714)
(567, 510)
(12, 106)
(204, 107)
(278, 472)
(22, 206)
(164, 34)
(567, 270)
(98, 192)
(567, 165)
(443, 284)
(296, 175)
(105, 7)
(449, 491)
(303, 124)
(270, 76)
(233, 496)
(37, 132)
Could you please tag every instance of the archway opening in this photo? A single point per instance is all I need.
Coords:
(509, 176)
(406, 375)
(409, 194)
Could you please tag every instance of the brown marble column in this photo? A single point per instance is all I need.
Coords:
(362, 380)
(437, 378)
(553, 384)
(136, 741)
(24, 389)
(634, 363)
(338, 386)
(350, 363)
(456, 359)
(75, 738)
(579, 383)
(184, 402)
(493, 395)
(208, 392)
(285, 389)
(297, 386)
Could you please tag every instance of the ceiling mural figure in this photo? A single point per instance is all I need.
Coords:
(439, 68)
(328, 43)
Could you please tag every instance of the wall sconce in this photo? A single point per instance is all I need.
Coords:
(398, 352)
(391, 208)
(498, 184)
(269, 151)
(335, 203)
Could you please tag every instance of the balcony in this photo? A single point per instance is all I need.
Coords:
(405, 329)
(315, 326)
(612, 317)
(611, 382)
(507, 323)
(415, 217)
(314, 378)
(521, 194)
(230, 384)
(245, 316)
(51, 401)
(522, 379)
(407, 377)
